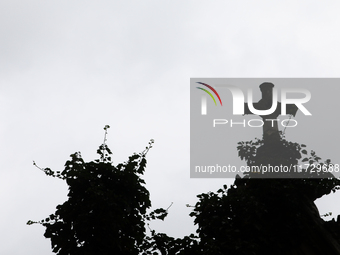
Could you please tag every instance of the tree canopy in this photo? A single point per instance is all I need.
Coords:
(107, 208)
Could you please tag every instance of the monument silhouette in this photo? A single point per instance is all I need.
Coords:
(290, 199)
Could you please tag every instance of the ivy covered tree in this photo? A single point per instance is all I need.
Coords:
(258, 215)
(106, 210)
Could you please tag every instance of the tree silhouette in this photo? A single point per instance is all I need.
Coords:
(262, 215)
(106, 210)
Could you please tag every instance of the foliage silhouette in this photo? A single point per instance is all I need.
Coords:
(106, 210)
(268, 216)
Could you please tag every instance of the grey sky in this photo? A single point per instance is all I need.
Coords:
(68, 68)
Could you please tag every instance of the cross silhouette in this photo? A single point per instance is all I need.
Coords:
(270, 127)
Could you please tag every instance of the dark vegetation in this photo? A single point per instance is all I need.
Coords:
(107, 208)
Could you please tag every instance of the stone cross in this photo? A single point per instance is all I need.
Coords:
(270, 127)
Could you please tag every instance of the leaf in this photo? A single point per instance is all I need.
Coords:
(304, 151)
(30, 222)
(302, 145)
(305, 159)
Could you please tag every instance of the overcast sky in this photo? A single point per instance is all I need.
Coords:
(68, 68)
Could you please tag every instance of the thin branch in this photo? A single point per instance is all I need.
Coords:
(169, 206)
(42, 169)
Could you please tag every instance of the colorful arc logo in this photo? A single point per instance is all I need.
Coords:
(209, 92)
